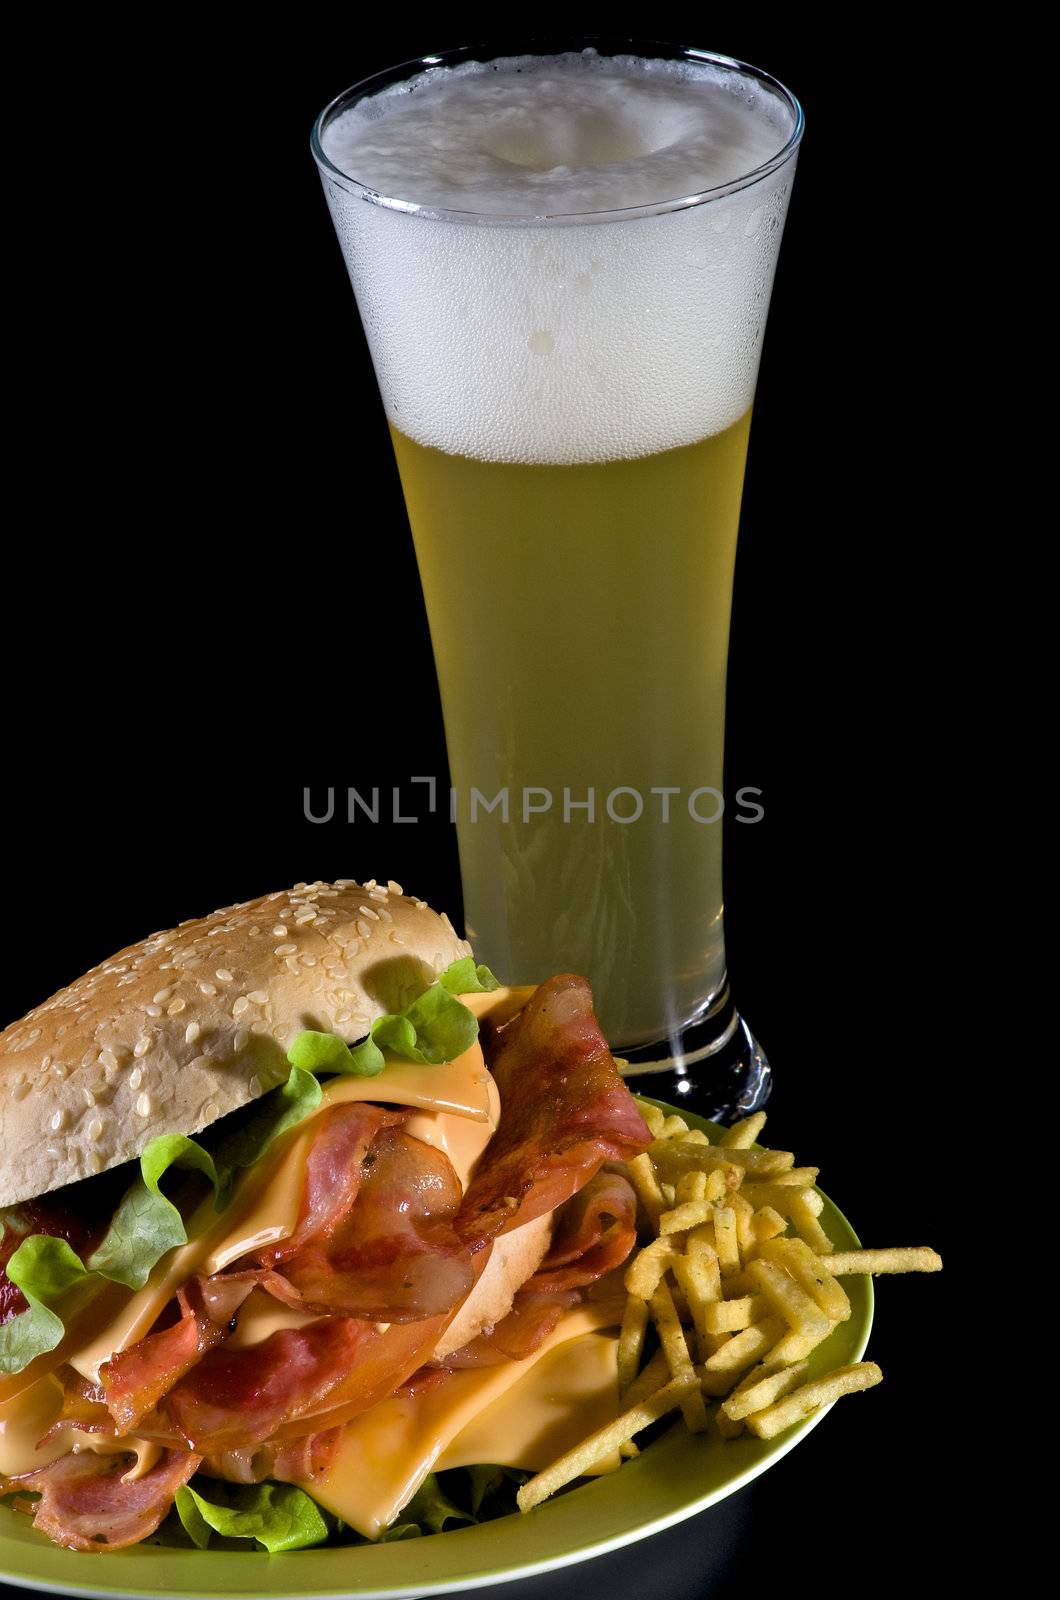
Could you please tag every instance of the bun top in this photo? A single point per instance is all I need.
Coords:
(195, 1021)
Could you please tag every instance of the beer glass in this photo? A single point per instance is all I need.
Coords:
(569, 396)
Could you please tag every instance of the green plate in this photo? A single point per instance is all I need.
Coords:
(678, 1475)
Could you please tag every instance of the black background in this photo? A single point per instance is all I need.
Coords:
(215, 589)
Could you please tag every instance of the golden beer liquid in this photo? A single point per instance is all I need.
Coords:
(580, 622)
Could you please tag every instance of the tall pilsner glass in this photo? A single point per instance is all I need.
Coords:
(566, 324)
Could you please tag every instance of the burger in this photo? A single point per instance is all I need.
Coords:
(300, 1207)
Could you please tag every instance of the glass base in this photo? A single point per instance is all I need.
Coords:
(714, 1065)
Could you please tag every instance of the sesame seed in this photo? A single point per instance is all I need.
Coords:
(95, 1164)
(162, 996)
(395, 888)
(395, 938)
(305, 916)
(143, 1105)
(175, 1008)
(292, 964)
(142, 1046)
(223, 975)
(210, 1111)
(255, 1085)
(240, 1040)
(377, 894)
(280, 931)
(108, 1059)
(153, 1010)
(258, 996)
(95, 1128)
(45, 1063)
(363, 928)
(207, 988)
(370, 883)
(87, 1095)
(346, 883)
(369, 912)
(20, 1091)
(191, 1032)
(285, 950)
(385, 914)
(241, 1005)
(299, 887)
(136, 1077)
(33, 1034)
(58, 1121)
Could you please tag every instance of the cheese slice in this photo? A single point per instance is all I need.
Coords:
(499, 1005)
(568, 1394)
(386, 1453)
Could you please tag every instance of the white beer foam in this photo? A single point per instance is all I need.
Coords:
(552, 342)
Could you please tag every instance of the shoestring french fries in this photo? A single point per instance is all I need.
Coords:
(740, 1283)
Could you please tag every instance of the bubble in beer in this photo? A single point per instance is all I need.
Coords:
(650, 324)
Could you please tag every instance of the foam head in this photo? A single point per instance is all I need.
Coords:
(513, 312)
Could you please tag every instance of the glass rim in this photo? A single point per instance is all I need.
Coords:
(646, 49)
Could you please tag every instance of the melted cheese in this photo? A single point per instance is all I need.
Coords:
(25, 1420)
(499, 1005)
(570, 1393)
(386, 1453)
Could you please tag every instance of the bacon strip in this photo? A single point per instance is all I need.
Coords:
(135, 1379)
(565, 1111)
(334, 1172)
(394, 1256)
(84, 1505)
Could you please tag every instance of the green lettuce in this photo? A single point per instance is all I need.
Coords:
(436, 1027)
(276, 1515)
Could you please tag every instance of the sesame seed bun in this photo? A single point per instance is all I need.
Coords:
(193, 1022)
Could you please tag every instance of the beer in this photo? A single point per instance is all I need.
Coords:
(580, 617)
(563, 264)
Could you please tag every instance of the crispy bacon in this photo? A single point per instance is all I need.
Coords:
(84, 1505)
(394, 1255)
(135, 1380)
(565, 1111)
(335, 1170)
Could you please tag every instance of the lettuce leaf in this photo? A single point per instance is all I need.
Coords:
(282, 1108)
(46, 1270)
(276, 1515)
(436, 1027)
